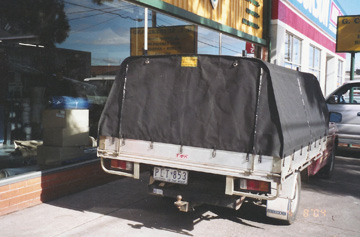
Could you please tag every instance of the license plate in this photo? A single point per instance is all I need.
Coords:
(171, 175)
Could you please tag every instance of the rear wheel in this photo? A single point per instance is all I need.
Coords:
(294, 202)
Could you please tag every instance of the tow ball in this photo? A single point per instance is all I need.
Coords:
(181, 205)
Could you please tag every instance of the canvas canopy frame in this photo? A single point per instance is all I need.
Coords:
(217, 102)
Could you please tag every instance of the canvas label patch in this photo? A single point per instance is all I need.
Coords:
(189, 62)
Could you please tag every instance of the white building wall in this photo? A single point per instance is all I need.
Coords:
(331, 71)
(322, 80)
(328, 61)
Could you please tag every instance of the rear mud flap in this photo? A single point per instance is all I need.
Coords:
(280, 208)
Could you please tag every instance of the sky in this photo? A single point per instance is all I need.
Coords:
(351, 7)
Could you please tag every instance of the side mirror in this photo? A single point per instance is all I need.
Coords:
(335, 117)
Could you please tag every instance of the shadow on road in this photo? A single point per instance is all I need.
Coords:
(346, 176)
(127, 199)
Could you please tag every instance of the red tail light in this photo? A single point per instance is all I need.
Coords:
(120, 164)
(254, 185)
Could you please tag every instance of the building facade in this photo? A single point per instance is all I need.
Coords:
(303, 37)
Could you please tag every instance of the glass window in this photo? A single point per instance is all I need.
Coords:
(61, 52)
(169, 35)
(101, 29)
(348, 94)
(74, 49)
(208, 41)
(292, 51)
(231, 46)
(314, 61)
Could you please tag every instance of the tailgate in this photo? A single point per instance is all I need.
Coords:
(235, 164)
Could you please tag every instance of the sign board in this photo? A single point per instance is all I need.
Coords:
(164, 40)
(250, 48)
(323, 13)
(348, 34)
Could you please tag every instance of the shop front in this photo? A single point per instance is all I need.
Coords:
(58, 60)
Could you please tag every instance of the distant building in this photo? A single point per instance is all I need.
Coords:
(303, 36)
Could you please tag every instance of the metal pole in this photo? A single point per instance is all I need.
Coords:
(146, 31)
(352, 66)
(269, 32)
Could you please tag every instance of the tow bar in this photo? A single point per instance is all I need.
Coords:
(181, 205)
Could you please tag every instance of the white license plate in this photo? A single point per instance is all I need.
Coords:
(171, 175)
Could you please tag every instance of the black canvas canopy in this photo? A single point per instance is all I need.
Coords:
(217, 102)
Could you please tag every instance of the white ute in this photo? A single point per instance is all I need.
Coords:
(218, 130)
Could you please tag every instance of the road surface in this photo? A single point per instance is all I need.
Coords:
(123, 208)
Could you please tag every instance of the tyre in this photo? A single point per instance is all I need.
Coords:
(328, 169)
(294, 202)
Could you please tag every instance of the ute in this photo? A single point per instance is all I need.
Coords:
(219, 130)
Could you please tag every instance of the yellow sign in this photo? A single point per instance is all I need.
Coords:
(348, 34)
(164, 40)
(189, 61)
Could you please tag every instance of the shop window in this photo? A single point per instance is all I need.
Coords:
(208, 41)
(231, 46)
(197, 39)
(340, 73)
(292, 51)
(169, 35)
(102, 29)
(314, 61)
(73, 61)
(76, 61)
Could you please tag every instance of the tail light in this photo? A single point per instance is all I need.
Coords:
(254, 185)
(123, 165)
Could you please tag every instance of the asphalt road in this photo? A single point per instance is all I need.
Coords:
(123, 208)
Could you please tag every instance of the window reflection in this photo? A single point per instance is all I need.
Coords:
(348, 94)
(231, 46)
(74, 48)
(208, 41)
(314, 61)
(102, 29)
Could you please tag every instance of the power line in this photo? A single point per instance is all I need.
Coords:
(75, 31)
(81, 17)
(85, 11)
(109, 12)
